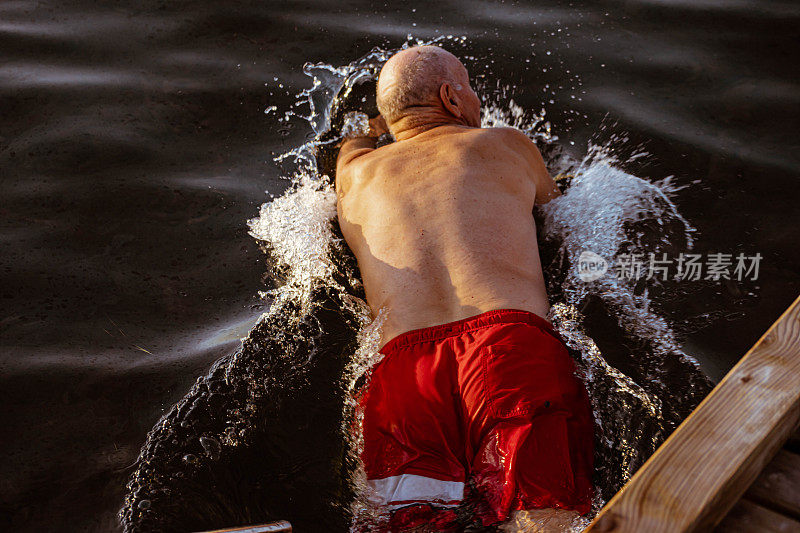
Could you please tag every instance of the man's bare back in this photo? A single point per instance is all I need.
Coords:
(442, 225)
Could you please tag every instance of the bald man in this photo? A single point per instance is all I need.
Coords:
(475, 401)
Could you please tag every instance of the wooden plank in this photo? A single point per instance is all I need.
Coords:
(749, 517)
(703, 468)
(281, 526)
(778, 485)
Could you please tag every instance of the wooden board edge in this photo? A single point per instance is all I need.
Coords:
(607, 521)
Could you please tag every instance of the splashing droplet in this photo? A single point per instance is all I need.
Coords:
(190, 459)
(212, 447)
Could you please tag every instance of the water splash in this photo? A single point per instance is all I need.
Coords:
(610, 212)
(331, 85)
(509, 114)
(296, 228)
(357, 379)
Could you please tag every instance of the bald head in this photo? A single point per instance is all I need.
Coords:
(414, 77)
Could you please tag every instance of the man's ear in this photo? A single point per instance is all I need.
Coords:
(450, 100)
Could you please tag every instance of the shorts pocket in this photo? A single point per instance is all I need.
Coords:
(521, 380)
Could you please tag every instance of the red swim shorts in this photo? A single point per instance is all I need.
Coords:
(484, 409)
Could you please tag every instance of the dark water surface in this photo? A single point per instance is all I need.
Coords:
(134, 147)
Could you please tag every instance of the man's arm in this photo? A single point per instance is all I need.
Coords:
(546, 188)
(354, 147)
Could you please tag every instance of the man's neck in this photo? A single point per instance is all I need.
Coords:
(421, 120)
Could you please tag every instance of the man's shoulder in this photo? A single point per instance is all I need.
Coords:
(505, 132)
(502, 134)
(362, 167)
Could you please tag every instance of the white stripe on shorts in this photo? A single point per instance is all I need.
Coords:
(406, 489)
